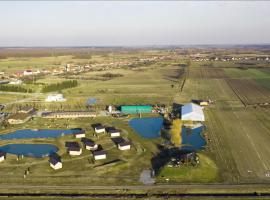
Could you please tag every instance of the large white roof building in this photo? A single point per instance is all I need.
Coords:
(192, 112)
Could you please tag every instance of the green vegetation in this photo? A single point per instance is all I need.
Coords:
(176, 130)
(14, 88)
(60, 86)
(206, 171)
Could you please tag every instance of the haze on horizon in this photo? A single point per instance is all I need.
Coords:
(109, 23)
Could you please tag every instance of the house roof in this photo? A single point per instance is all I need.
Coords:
(113, 130)
(126, 143)
(118, 140)
(99, 127)
(99, 153)
(192, 112)
(2, 153)
(54, 159)
(74, 148)
(72, 144)
(88, 142)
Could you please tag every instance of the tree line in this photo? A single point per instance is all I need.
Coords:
(59, 86)
(14, 88)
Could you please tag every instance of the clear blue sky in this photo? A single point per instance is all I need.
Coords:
(60, 23)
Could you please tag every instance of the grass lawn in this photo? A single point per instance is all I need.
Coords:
(205, 172)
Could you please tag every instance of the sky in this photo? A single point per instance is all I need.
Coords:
(133, 23)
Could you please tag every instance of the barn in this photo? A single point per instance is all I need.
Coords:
(192, 112)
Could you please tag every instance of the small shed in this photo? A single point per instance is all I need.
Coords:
(89, 144)
(113, 132)
(124, 145)
(100, 129)
(73, 148)
(2, 156)
(100, 155)
(80, 134)
(55, 161)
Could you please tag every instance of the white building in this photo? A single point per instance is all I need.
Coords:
(99, 155)
(55, 98)
(100, 129)
(80, 134)
(74, 151)
(114, 133)
(124, 146)
(2, 156)
(89, 144)
(55, 162)
(27, 72)
(192, 112)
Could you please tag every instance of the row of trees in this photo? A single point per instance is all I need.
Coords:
(59, 86)
(14, 88)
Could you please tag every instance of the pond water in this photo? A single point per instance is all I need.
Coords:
(42, 133)
(31, 150)
(192, 138)
(147, 127)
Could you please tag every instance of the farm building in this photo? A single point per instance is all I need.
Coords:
(73, 148)
(134, 109)
(2, 156)
(68, 114)
(192, 112)
(113, 132)
(55, 161)
(55, 98)
(99, 155)
(89, 144)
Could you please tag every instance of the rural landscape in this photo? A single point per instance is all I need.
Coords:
(117, 117)
(151, 100)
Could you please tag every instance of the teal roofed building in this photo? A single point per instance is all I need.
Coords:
(136, 109)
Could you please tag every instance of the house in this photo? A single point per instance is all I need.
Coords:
(2, 156)
(68, 114)
(192, 112)
(80, 134)
(19, 118)
(113, 132)
(99, 128)
(99, 155)
(55, 98)
(73, 148)
(121, 143)
(89, 144)
(55, 161)
(124, 145)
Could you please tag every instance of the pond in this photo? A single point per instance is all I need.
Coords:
(42, 133)
(31, 150)
(147, 127)
(192, 138)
